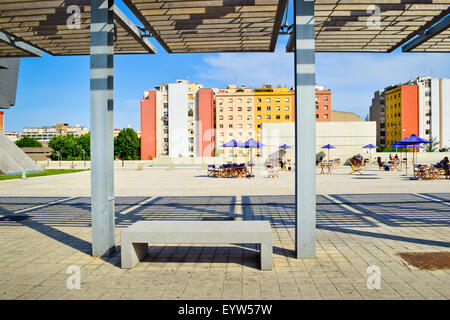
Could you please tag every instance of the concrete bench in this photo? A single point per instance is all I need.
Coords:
(135, 239)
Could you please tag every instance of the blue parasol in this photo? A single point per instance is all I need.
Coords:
(250, 144)
(328, 146)
(370, 147)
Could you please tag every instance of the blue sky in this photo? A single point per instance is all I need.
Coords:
(56, 89)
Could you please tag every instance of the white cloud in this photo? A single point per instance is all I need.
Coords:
(352, 77)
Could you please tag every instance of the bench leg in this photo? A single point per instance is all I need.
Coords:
(131, 253)
(266, 255)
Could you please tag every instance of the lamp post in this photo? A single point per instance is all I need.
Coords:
(58, 153)
(84, 157)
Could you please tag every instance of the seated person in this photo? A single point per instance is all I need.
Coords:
(445, 165)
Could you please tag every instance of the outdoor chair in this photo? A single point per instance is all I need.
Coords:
(212, 170)
(337, 161)
(356, 167)
(380, 163)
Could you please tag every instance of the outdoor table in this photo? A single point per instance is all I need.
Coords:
(325, 165)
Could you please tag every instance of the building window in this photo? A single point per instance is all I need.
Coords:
(220, 117)
(249, 100)
(230, 134)
(230, 109)
(258, 117)
(268, 108)
(221, 125)
(230, 99)
(249, 133)
(317, 107)
(220, 109)
(239, 100)
(278, 116)
(287, 99)
(249, 109)
(239, 117)
(317, 99)
(220, 101)
(268, 100)
(268, 117)
(286, 108)
(240, 134)
(259, 126)
(230, 117)
(325, 116)
(286, 117)
(259, 108)
(249, 125)
(249, 117)
(240, 126)
(317, 116)
(325, 98)
(277, 99)
(259, 99)
(239, 108)
(278, 108)
(230, 126)
(325, 107)
(222, 134)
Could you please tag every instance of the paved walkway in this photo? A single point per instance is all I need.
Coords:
(41, 237)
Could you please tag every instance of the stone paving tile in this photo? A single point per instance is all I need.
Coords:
(34, 258)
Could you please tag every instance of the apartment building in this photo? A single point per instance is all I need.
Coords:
(440, 111)
(323, 104)
(235, 116)
(430, 116)
(402, 112)
(46, 133)
(378, 114)
(273, 105)
(169, 117)
(2, 127)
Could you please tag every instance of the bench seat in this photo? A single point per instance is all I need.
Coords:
(135, 239)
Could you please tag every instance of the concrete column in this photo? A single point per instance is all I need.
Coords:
(305, 130)
(102, 135)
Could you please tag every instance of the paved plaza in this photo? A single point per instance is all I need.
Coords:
(362, 221)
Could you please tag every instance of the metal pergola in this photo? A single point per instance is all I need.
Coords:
(28, 28)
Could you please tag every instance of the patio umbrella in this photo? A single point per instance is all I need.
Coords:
(284, 147)
(232, 144)
(409, 142)
(250, 144)
(328, 146)
(370, 147)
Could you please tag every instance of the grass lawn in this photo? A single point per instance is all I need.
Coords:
(49, 172)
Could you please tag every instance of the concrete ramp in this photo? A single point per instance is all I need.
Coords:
(13, 160)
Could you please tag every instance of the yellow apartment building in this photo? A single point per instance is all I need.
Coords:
(273, 105)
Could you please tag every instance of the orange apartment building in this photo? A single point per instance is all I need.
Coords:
(323, 104)
(402, 112)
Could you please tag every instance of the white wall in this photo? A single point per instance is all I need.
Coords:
(178, 120)
(347, 136)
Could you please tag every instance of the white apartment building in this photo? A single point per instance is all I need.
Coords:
(46, 133)
(175, 113)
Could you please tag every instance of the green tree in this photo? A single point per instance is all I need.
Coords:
(85, 142)
(68, 147)
(433, 146)
(27, 142)
(127, 145)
